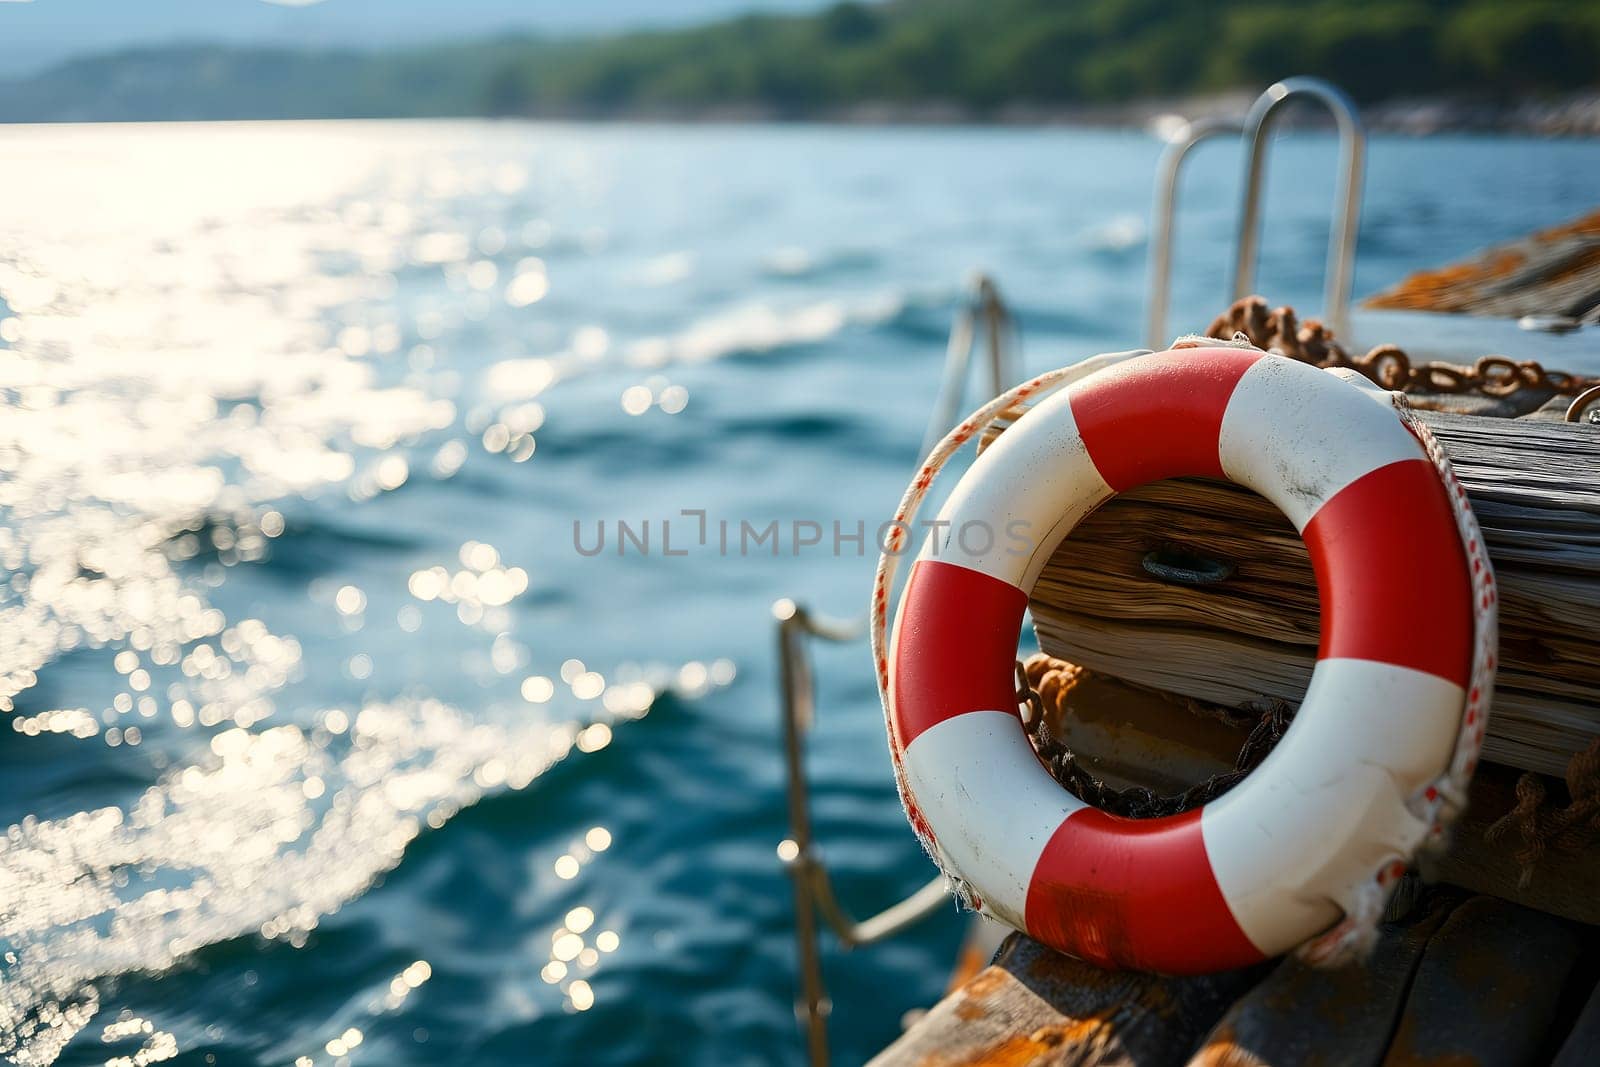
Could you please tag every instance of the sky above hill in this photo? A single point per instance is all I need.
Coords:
(35, 34)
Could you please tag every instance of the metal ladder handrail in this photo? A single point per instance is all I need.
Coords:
(813, 887)
(1344, 227)
(983, 302)
(1180, 143)
(1346, 220)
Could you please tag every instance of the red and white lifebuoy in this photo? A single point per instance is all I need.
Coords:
(1394, 713)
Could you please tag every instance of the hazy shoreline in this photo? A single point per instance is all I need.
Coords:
(1107, 63)
(1571, 115)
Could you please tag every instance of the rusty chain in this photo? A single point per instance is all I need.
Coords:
(1496, 377)
(1043, 685)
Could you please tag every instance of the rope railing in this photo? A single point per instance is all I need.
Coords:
(813, 886)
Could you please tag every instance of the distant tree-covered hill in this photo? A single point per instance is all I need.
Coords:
(975, 55)
(39, 33)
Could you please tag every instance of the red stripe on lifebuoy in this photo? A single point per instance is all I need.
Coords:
(956, 646)
(1137, 894)
(1392, 574)
(1159, 416)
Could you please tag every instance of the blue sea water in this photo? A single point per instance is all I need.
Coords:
(327, 744)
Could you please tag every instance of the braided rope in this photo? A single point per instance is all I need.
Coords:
(1544, 828)
(1436, 805)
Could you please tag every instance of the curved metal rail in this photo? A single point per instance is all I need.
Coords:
(983, 312)
(1180, 143)
(813, 888)
(983, 307)
(1347, 198)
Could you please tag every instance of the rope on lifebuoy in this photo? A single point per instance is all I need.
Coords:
(905, 515)
(1432, 805)
(1446, 797)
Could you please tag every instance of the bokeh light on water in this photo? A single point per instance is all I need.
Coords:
(193, 361)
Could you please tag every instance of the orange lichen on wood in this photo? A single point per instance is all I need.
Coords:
(1034, 1007)
(1553, 272)
(1046, 1045)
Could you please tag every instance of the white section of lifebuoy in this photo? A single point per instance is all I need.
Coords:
(1035, 487)
(1378, 734)
(1298, 446)
(982, 779)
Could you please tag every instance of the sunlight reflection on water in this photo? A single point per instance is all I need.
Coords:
(188, 341)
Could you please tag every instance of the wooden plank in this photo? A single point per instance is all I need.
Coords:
(1303, 1016)
(1553, 272)
(1129, 736)
(1581, 1047)
(1037, 1007)
(1253, 635)
(1488, 988)
(1461, 979)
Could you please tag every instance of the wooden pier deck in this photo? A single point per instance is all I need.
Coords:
(1462, 980)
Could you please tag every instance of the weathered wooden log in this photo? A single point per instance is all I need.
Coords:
(1304, 1016)
(1037, 1007)
(1252, 634)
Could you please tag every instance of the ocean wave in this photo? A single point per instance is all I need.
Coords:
(794, 262)
(1119, 235)
(760, 328)
(270, 832)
